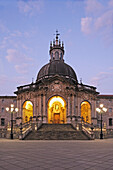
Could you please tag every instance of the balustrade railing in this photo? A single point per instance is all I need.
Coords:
(28, 127)
(88, 129)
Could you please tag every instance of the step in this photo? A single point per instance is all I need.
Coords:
(56, 132)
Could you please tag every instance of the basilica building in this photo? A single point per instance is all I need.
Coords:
(56, 97)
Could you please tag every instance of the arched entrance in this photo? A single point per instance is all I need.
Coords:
(86, 112)
(27, 113)
(56, 110)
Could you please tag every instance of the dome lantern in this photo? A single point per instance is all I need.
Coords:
(56, 50)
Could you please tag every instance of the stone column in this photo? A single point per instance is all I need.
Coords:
(42, 106)
(46, 105)
(18, 121)
(73, 105)
(68, 113)
(68, 106)
(93, 112)
(21, 107)
(39, 104)
(34, 108)
(79, 110)
(44, 109)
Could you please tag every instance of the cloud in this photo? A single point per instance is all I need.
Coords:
(16, 47)
(105, 20)
(3, 28)
(98, 19)
(16, 39)
(20, 80)
(21, 62)
(98, 80)
(23, 68)
(93, 7)
(16, 56)
(86, 25)
(3, 79)
(110, 3)
(30, 7)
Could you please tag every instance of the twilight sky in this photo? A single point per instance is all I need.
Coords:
(28, 26)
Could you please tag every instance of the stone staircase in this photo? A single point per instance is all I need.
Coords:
(56, 132)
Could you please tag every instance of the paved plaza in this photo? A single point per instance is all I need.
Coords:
(56, 155)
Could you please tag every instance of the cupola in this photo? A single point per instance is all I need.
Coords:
(56, 49)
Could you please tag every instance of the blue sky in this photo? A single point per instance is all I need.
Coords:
(28, 26)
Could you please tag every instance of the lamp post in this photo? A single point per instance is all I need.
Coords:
(11, 109)
(101, 110)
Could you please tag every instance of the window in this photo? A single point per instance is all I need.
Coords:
(14, 101)
(56, 55)
(110, 121)
(2, 100)
(52, 56)
(61, 56)
(110, 109)
(2, 122)
(98, 101)
(2, 109)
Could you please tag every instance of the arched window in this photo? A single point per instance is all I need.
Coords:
(61, 56)
(52, 56)
(56, 55)
(86, 111)
(27, 111)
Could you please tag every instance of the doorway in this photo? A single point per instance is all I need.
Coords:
(56, 110)
(56, 118)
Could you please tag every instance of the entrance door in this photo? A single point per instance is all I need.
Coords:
(56, 118)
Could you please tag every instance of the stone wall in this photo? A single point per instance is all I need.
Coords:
(5, 117)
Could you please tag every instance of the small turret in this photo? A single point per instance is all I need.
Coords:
(56, 50)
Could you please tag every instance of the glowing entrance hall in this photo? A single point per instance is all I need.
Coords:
(86, 112)
(56, 110)
(27, 111)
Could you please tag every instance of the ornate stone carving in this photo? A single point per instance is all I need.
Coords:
(56, 87)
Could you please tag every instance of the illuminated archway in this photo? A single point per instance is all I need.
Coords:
(27, 111)
(56, 110)
(86, 112)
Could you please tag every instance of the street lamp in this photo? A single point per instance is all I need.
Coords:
(101, 110)
(11, 109)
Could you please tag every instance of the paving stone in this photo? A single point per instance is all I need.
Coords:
(56, 155)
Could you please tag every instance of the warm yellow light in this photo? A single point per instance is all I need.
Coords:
(83, 103)
(98, 110)
(7, 109)
(12, 109)
(12, 105)
(104, 109)
(56, 99)
(101, 105)
(28, 104)
(16, 109)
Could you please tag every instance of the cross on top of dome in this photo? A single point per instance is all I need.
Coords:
(57, 34)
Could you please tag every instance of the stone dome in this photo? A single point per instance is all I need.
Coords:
(56, 67)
